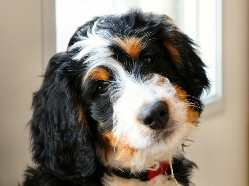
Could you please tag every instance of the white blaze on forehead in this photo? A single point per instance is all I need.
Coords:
(94, 46)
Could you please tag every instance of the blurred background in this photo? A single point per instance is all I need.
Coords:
(31, 31)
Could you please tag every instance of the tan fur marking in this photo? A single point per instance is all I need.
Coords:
(83, 118)
(122, 152)
(98, 74)
(131, 45)
(174, 53)
(192, 115)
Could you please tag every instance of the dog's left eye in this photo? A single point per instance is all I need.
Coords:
(148, 60)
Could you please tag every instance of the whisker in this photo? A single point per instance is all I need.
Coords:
(193, 102)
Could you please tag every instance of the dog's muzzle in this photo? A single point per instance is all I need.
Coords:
(156, 115)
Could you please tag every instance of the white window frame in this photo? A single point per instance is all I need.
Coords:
(213, 105)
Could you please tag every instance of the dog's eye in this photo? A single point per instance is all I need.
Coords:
(148, 60)
(101, 87)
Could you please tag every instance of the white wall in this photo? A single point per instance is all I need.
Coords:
(20, 66)
(221, 145)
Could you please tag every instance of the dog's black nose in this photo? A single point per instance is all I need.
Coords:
(156, 116)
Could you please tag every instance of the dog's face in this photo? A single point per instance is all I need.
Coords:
(134, 86)
(134, 83)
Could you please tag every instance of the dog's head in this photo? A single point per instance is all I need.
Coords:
(126, 91)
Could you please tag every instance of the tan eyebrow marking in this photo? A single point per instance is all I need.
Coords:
(98, 74)
(174, 53)
(132, 45)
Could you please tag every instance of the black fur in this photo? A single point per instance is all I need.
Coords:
(183, 169)
(63, 147)
(61, 144)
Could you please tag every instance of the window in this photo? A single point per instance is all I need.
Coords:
(200, 19)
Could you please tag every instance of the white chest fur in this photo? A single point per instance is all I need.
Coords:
(118, 181)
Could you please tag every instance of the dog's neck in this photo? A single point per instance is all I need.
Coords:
(146, 175)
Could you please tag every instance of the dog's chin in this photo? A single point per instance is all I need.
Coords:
(142, 151)
(163, 135)
(152, 138)
(146, 156)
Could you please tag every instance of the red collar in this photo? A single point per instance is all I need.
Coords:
(161, 170)
(144, 176)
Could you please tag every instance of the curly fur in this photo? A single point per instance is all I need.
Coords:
(70, 118)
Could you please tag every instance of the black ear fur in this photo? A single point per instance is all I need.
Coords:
(191, 66)
(61, 143)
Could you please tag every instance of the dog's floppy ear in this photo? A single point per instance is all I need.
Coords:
(185, 58)
(61, 140)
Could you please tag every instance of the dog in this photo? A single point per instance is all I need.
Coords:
(118, 105)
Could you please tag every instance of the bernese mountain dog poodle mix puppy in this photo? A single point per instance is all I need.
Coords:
(117, 106)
